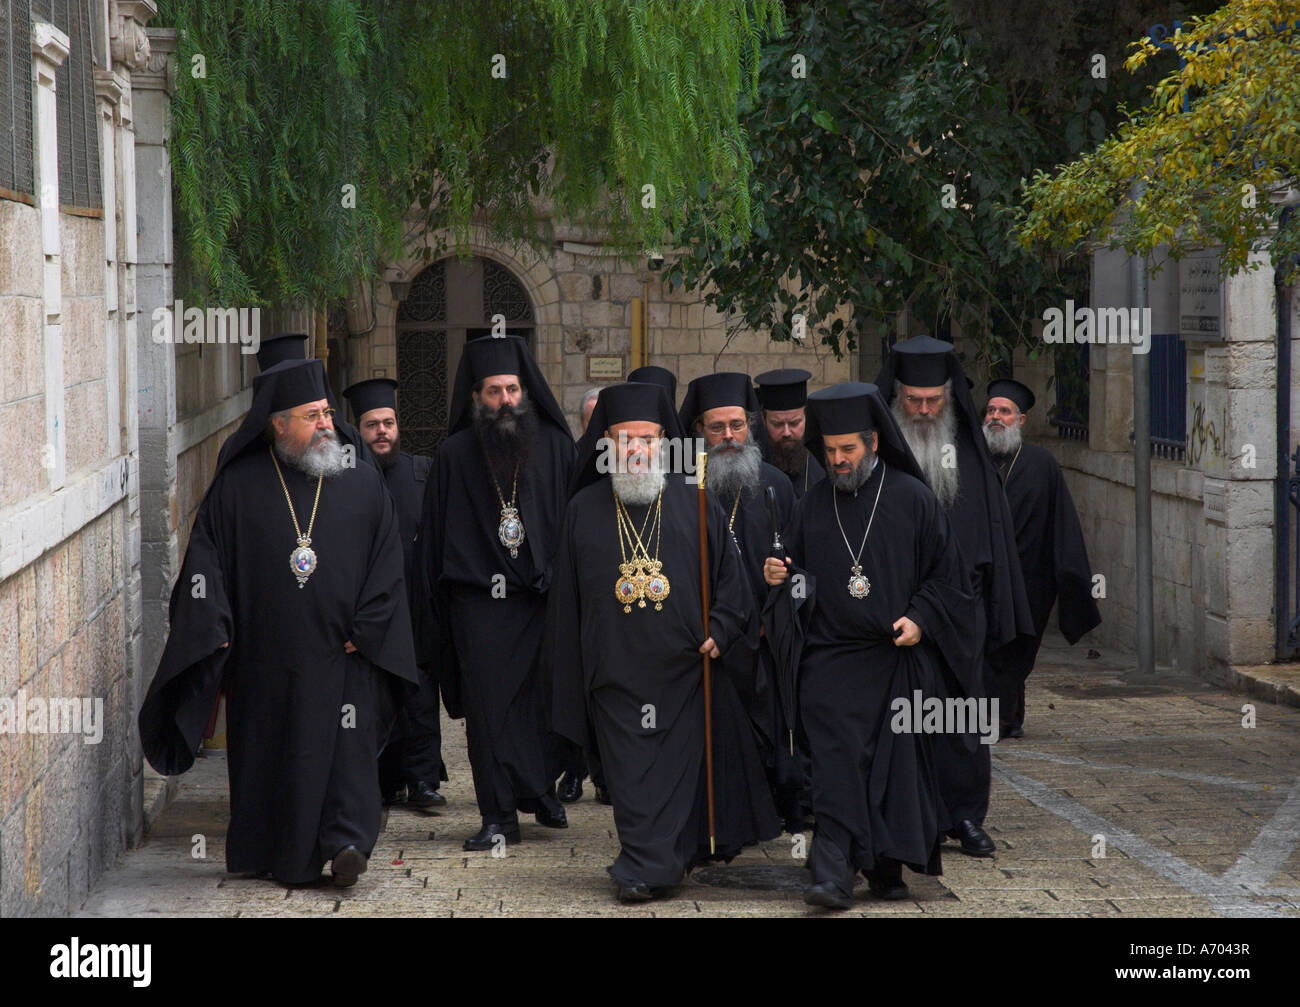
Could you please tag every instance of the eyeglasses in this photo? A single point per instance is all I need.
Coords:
(735, 426)
(315, 416)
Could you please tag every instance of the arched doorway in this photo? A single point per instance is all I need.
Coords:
(449, 302)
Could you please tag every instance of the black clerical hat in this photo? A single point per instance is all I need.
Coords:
(292, 383)
(280, 347)
(1007, 388)
(509, 354)
(713, 391)
(374, 393)
(630, 402)
(921, 361)
(842, 409)
(661, 376)
(853, 407)
(489, 355)
(783, 389)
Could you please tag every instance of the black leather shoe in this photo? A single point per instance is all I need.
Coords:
(395, 796)
(635, 893)
(348, 865)
(1015, 731)
(975, 842)
(602, 796)
(570, 788)
(886, 881)
(422, 796)
(552, 818)
(485, 838)
(827, 895)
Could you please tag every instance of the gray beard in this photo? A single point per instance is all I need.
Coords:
(731, 470)
(640, 488)
(1003, 442)
(855, 478)
(326, 461)
(927, 439)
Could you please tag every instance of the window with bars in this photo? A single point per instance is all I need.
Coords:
(1168, 397)
(74, 83)
(17, 154)
(1073, 386)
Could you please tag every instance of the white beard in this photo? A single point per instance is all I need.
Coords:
(731, 470)
(640, 488)
(327, 460)
(927, 439)
(1003, 442)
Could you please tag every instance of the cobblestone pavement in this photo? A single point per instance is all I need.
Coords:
(1121, 800)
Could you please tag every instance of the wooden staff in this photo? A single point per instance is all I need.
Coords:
(701, 460)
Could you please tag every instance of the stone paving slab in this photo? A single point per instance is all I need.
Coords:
(1200, 817)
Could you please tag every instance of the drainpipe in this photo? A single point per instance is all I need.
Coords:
(1281, 494)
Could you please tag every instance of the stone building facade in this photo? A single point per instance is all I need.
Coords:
(1212, 495)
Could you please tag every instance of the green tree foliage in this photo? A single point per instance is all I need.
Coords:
(1207, 167)
(900, 100)
(495, 113)
(883, 179)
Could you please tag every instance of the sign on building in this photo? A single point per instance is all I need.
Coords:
(1200, 297)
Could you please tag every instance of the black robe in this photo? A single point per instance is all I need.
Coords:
(489, 611)
(304, 719)
(875, 792)
(812, 473)
(611, 665)
(414, 752)
(1054, 561)
(752, 671)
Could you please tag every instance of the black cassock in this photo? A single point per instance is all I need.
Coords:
(875, 792)
(981, 525)
(304, 718)
(752, 671)
(639, 676)
(490, 611)
(414, 753)
(1054, 561)
(812, 474)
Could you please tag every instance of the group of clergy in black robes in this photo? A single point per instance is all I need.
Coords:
(553, 595)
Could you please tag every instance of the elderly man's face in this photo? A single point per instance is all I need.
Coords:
(636, 443)
(295, 432)
(1002, 413)
(724, 424)
(588, 408)
(926, 402)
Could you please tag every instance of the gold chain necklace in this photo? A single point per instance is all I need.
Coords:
(303, 559)
(731, 523)
(510, 532)
(641, 577)
(1007, 478)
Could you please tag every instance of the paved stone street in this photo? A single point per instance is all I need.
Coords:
(1198, 815)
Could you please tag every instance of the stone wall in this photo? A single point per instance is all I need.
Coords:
(582, 302)
(70, 575)
(1212, 512)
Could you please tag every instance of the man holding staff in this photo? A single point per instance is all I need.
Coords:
(625, 627)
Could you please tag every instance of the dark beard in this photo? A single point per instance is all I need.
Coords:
(387, 461)
(788, 456)
(855, 478)
(507, 436)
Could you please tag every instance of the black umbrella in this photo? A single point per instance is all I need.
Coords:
(786, 615)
